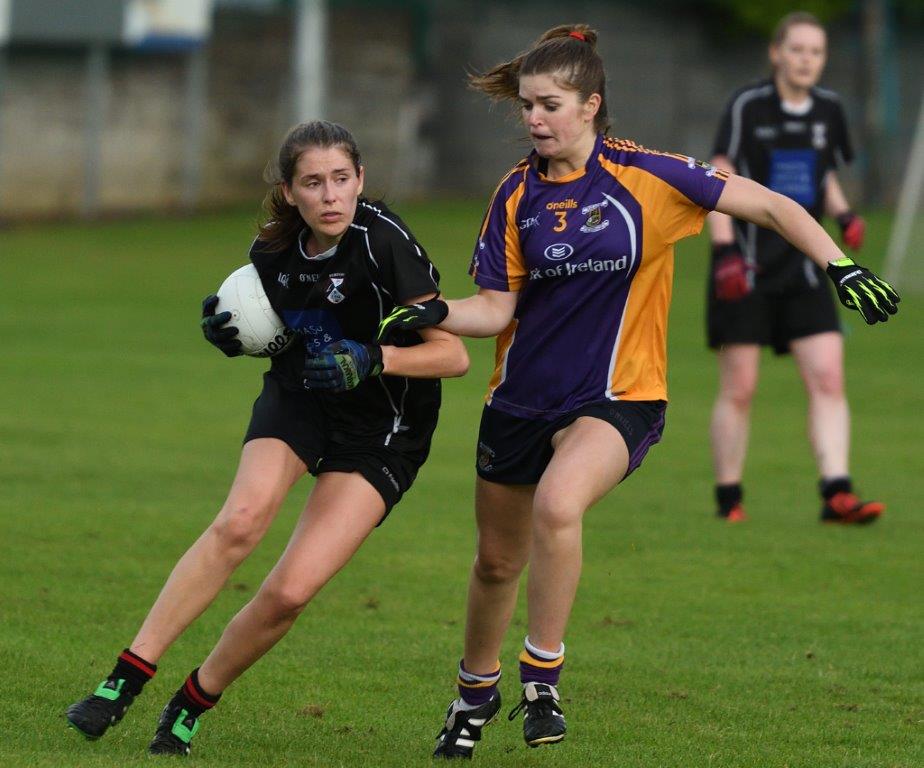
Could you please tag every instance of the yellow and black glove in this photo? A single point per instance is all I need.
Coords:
(412, 317)
(859, 289)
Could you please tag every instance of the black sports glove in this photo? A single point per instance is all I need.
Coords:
(342, 365)
(859, 289)
(215, 330)
(413, 316)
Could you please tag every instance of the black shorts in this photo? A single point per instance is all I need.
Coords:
(298, 419)
(516, 451)
(772, 319)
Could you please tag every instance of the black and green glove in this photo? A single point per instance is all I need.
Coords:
(411, 317)
(859, 289)
(342, 365)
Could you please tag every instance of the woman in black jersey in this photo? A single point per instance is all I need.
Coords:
(357, 415)
(791, 136)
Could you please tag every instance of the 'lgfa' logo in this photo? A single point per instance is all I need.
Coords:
(558, 251)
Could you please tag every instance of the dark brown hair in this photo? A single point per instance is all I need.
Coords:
(569, 51)
(791, 20)
(283, 222)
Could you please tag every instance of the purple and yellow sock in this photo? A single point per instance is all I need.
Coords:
(477, 689)
(539, 666)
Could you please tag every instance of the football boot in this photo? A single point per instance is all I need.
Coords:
(103, 708)
(543, 721)
(463, 728)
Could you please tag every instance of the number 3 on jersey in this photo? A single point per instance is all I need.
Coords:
(562, 224)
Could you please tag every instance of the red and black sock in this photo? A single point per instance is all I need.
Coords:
(193, 698)
(831, 486)
(728, 496)
(134, 670)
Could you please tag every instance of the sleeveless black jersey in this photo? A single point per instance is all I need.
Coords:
(789, 153)
(377, 265)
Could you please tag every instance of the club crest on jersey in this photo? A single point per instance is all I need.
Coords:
(334, 295)
(558, 251)
(595, 221)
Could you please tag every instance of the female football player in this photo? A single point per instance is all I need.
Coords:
(355, 414)
(790, 135)
(573, 266)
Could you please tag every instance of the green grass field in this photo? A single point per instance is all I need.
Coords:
(693, 643)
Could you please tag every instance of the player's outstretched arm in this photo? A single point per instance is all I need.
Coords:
(487, 313)
(857, 287)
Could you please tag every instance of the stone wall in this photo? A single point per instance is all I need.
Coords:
(397, 79)
(248, 108)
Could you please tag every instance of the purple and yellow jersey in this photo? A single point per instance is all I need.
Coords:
(592, 256)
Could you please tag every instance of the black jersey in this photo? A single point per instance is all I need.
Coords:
(344, 295)
(789, 153)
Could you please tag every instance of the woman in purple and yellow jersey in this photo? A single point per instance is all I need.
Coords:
(573, 267)
(791, 135)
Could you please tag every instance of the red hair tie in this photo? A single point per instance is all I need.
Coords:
(578, 36)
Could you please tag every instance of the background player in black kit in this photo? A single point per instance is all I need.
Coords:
(357, 415)
(789, 135)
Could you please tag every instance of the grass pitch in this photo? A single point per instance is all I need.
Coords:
(693, 643)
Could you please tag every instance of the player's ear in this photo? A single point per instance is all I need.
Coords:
(773, 53)
(361, 176)
(287, 193)
(592, 106)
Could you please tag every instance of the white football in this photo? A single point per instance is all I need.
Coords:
(261, 332)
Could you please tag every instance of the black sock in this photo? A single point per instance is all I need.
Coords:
(834, 485)
(728, 496)
(192, 698)
(134, 670)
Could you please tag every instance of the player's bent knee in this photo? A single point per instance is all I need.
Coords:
(491, 568)
(556, 513)
(285, 602)
(240, 527)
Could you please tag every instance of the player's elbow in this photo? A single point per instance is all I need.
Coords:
(780, 212)
(457, 361)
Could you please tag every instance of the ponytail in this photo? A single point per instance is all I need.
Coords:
(568, 52)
